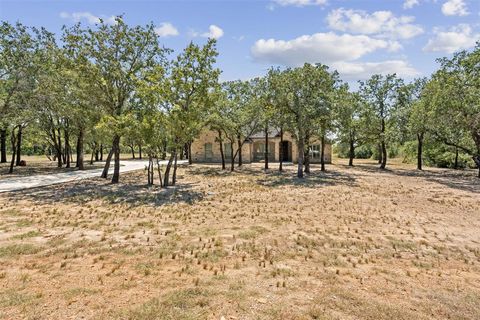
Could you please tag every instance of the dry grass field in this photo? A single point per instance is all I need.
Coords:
(351, 243)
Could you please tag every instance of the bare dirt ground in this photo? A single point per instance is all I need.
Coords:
(351, 243)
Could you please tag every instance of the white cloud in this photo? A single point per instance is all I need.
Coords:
(364, 70)
(456, 38)
(409, 4)
(381, 23)
(455, 8)
(340, 52)
(214, 32)
(300, 3)
(319, 47)
(166, 29)
(90, 18)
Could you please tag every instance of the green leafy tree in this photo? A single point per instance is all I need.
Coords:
(381, 93)
(192, 76)
(457, 102)
(21, 59)
(348, 120)
(240, 116)
(121, 56)
(309, 90)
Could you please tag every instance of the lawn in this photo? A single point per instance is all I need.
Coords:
(350, 243)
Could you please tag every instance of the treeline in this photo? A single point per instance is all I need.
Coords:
(110, 86)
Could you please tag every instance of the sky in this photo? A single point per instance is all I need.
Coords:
(357, 38)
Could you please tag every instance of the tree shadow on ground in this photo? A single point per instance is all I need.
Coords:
(275, 178)
(129, 191)
(314, 179)
(208, 170)
(465, 180)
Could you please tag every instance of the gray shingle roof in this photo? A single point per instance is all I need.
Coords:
(272, 132)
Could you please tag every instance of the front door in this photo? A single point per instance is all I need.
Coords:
(286, 151)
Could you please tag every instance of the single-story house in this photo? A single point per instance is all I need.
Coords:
(206, 148)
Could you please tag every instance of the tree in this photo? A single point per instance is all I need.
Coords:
(308, 92)
(240, 116)
(325, 95)
(191, 78)
(21, 59)
(262, 95)
(417, 108)
(380, 93)
(457, 102)
(279, 96)
(215, 121)
(348, 119)
(120, 57)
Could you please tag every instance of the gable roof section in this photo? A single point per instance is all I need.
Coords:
(272, 132)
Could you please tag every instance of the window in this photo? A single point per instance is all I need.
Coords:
(227, 150)
(315, 151)
(259, 151)
(208, 151)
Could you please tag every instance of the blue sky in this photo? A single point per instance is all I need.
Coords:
(356, 37)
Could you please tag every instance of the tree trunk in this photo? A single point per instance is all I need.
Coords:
(322, 154)
(455, 165)
(140, 152)
(150, 170)
(107, 164)
(116, 165)
(189, 145)
(67, 148)
(64, 151)
(266, 148)
(101, 152)
(306, 159)
(419, 150)
(351, 153)
(240, 160)
(300, 147)
(133, 151)
(183, 151)
(306, 153)
(476, 159)
(174, 175)
(77, 148)
(3, 145)
(164, 150)
(79, 163)
(167, 171)
(159, 173)
(280, 151)
(59, 148)
(19, 146)
(13, 141)
(384, 155)
(96, 151)
(383, 146)
(220, 141)
(232, 167)
(380, 153)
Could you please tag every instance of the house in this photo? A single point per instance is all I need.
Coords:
(206, 148)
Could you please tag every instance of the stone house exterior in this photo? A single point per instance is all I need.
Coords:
(206, 148)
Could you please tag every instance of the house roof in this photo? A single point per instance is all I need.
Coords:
(272, 132)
